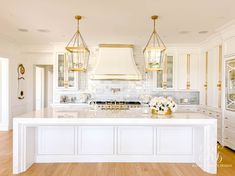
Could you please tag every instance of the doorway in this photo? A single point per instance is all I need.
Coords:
(43, 86)
(4, 94)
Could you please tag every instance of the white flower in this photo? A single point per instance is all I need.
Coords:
(162, 104)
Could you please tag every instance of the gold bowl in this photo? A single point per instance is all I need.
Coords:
(156, 112)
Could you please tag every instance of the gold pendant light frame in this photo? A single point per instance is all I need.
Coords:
(156, 46)
(77, 49)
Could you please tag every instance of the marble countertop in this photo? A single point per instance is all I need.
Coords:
(86, 115)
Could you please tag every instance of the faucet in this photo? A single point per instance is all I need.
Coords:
(114, 90)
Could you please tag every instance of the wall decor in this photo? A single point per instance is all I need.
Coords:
(21, 80)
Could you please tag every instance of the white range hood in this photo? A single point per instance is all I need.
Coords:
(116, 62)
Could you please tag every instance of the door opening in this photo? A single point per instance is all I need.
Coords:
(43, 86)
(4, 94)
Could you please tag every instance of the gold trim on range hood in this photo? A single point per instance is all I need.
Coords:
(116, 62)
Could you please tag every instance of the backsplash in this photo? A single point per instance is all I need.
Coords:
(126, 90)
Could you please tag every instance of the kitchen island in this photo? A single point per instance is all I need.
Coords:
(84, 135)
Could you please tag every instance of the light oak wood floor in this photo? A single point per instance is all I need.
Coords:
(225, 168)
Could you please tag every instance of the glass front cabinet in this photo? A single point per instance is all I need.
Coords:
(230, 85)
(165, 78)
(65, 79)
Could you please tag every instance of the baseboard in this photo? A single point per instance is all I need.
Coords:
(4, 127)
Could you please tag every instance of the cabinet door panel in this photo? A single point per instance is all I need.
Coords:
(135, 140)
(182, 71)
(56, 140)
(96, 140)
(174, 140)
(194, 61)
(213, 75)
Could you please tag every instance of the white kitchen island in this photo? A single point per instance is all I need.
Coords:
(83, 135)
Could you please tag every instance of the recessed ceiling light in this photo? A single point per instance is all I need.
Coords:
(23, 30)
(184, 32)
(43, 30)
(202, 32)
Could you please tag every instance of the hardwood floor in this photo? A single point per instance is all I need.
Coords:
(225, 168)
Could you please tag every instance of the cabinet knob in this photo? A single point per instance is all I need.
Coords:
(226, 127)
(226, 138)
(226, 117)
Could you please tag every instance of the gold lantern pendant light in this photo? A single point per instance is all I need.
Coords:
(154, 51)
(78, 52)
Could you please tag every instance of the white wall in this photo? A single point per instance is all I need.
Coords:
(11, 51)
(33, 59)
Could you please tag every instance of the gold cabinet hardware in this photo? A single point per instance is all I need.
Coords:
(219, 85)
(188, 85)
(188, 72)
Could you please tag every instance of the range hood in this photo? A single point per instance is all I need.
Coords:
(116, 62)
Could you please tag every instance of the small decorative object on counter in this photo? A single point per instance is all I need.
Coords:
(162, 106)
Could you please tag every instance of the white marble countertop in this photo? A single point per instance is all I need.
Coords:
(86, 115)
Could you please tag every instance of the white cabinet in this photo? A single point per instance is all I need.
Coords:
(216, 114)
(165, 79)
(188, 71)
(135, 140)
(96, 140)
(229, 130)
(56, 140)
(64, 78)
(229, 47)
(212, 78)
(175, 141)
(182, 71)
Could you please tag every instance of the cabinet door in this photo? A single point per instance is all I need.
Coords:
(60, 70)
(182, 71)
(188, 71)
(95, 140)
(135, 140)
(194, 62)
(213, 76)
(202, 77)
(230, 85)
(56, 140)
(175, 141)
(66, 79)
(166, 77)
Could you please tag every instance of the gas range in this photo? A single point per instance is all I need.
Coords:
(116, 105)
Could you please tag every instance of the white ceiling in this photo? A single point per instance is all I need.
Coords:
(112, 21)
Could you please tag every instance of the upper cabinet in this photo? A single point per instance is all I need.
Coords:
(165, 78)
(187, 71)
(230, 84)
(65, 79)
(212, 77)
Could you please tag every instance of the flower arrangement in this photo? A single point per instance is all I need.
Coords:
(161, 105)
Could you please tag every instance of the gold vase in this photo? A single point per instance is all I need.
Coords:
(156, 112)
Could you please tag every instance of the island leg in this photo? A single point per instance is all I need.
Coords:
(23, 147)
(206, 148)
